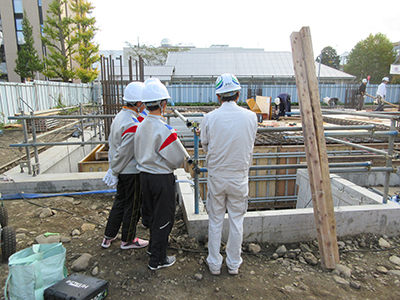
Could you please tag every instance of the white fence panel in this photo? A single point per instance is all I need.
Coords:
(40, 95)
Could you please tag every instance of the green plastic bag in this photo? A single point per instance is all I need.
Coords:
(34, 269)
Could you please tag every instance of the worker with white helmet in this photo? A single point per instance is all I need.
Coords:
(360, 95)
(123, 172)
(227, 135)
(282, 104)
(158, 153)
(381, 94)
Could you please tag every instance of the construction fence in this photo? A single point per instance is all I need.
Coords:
(41, 95)
(203, 93)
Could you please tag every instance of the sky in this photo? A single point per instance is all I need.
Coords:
(249, 24)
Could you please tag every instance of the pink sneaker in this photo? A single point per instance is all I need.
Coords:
(135, 244)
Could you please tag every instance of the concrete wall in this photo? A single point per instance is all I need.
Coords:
(293, 225)
(344, 192)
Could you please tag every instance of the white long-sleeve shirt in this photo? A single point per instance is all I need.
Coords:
(156, 146)
(381, 90)
(228, 135)
(121, 139)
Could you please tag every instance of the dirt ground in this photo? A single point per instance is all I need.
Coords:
(263, 275)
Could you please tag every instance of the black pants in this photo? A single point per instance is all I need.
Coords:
(126, 208)
(159, 194)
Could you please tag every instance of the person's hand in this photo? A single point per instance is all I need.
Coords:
(110, 179)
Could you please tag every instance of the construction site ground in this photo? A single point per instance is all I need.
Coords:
(371, 269)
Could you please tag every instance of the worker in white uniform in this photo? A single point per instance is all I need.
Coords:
(227, 135)
(381, 94)
(123, 173)
(158, 153)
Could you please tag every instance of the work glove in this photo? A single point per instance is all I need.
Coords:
(110, 179)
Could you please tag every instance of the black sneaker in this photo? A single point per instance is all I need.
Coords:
(169, 261)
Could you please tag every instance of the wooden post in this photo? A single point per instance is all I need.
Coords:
(315, 146)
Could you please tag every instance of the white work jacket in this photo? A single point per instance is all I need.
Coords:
(227, 135)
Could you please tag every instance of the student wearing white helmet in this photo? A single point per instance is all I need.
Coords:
(360, 95)
(227, 135)
(381, 94)
(158, 154)
(123, 172)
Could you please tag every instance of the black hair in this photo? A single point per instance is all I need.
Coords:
(230, 98)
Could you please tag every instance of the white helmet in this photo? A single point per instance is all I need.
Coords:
(364, 80)
(226, 85)
(133, 92)
(154, 91)
(385, 79)
(277, 101)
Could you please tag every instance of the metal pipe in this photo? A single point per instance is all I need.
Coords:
(196, 173)
(36, 169)
(82, 128)
(370, 149)
(359, 170)
(353, 134)
(180, 116)
(388, 163)
(304, 166)
(28, 155)
(348, 127)
(58, 144)
(25, 117)
(370, 115)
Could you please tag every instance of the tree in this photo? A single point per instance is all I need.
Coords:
(28, 61)
(329, 57)
(88, 52)
(59, 41)
(152, 56)
(372, 56)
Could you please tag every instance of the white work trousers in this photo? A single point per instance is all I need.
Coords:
(226, 193)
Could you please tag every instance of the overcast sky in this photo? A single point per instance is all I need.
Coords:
(249, 24)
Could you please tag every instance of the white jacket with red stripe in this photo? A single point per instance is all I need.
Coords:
(121, 143)
(156, 146)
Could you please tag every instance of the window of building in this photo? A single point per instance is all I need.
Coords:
(18, 8)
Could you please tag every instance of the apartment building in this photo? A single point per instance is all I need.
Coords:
(11, 14)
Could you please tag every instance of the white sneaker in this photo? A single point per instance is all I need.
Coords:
(233, 271)
(212, 271)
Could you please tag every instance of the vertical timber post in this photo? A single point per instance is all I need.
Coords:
(315, 146)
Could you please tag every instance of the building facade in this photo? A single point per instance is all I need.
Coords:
(11, 14)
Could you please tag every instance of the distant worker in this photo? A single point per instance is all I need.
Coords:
(361, 94)
(282, 104)
(381, 94)
(227, 135)
(158, 154)
(123, 172)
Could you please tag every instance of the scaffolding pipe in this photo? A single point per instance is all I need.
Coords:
(352, 134)
(184, 120)
(389, 162)
(347, 127)
(26, 117)
(58, 144)
(370, 149)
(364, 114)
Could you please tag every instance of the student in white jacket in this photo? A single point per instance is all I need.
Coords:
(123, 172)
(158, 154)
(227, 135)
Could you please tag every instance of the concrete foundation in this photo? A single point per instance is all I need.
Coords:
(296, 225)
(357, 210)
